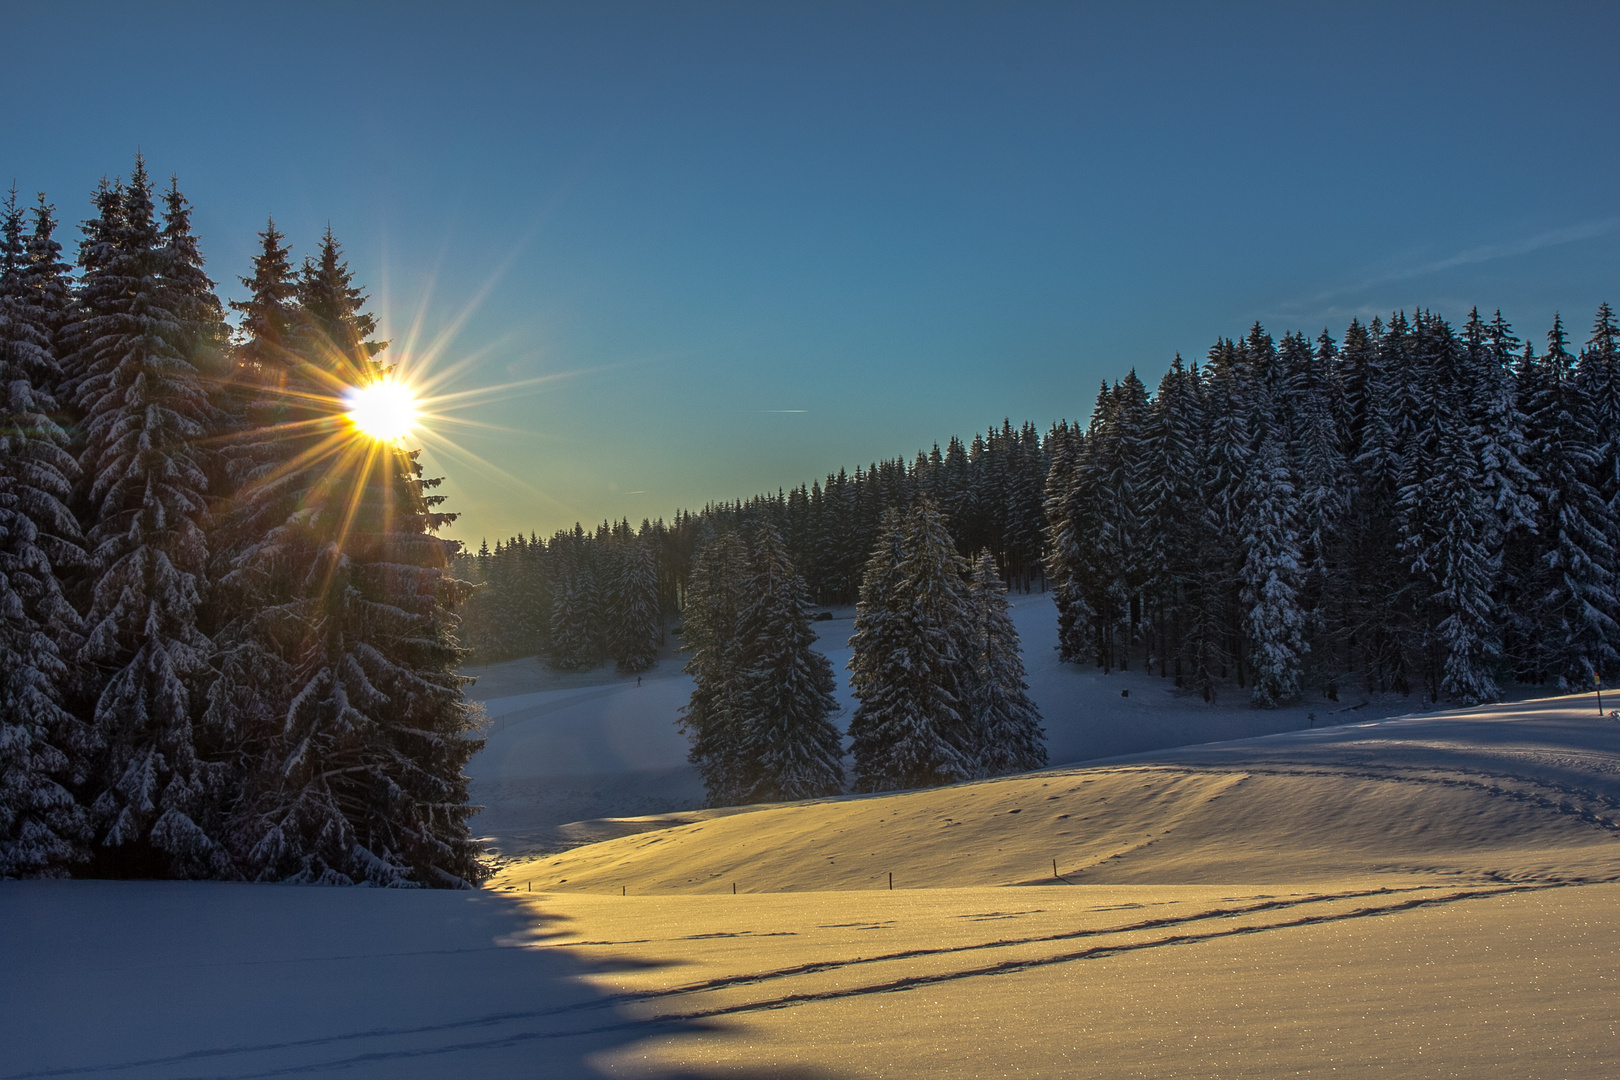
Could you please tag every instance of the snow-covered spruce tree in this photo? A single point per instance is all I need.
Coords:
(1575, 601)
(534, 597)
(1093, 542)
(1309, 397)
(635, 622)
(43, 748)
(712, 633)
(1598, 377)
(1464, 559)
(912, 663)
(1176, 531)
(1228, 447)
(576, 607)
(278, 400)
(1005, 720)
(361, 779)
(1492, 405)
(783, 700)
(278, 407)
(1273, 622)
(1067, 505)
(1449, 527)
(1120, 451)
(159, 796)
(1380, 585)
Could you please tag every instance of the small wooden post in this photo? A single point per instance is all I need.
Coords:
(624, 890)
(1054, 868)
(531, 886)
(891, 881)
(1597, 681)
(733, 888)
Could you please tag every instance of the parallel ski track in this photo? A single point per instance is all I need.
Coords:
(660, 1019)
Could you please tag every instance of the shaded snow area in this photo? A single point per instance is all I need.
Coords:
(569, 747)
(1431, 896)
(189, 979)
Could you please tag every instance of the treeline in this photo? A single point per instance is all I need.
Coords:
(990, 490)
(226, 639)
(580, 600)
(1415, 508)
(936, 668)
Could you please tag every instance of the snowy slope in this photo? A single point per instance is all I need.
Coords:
(564, 748)
(1499, 793)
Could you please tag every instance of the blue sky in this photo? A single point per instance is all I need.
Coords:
(758, 242)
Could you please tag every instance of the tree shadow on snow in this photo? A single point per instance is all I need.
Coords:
(140, 980)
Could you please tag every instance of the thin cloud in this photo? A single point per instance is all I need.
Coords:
(784, 410)
(1569, 234)
(1551, 238)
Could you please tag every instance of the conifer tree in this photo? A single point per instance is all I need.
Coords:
(1381, 589)
(635, 615)
(1172, 481)
(43, 748)
(712, 634)
(1309, 394)
(1448, 525)
(362, 781)
(1270, 576)
(1598, 376)
(159, 803)
(1064, 547)
(279, 415)
(1575, 619)
(1005, 720)
(911, 668)
(1228, 447)
(783, 699)
(1462, 563)
(576, 606)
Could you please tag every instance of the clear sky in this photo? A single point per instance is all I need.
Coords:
(760, 241)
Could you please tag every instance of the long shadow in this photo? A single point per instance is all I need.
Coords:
(135, 980)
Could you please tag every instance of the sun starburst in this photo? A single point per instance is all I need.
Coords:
(385, 410)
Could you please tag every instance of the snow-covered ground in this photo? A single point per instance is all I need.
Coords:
(166, 980)
(564, 748)
(1422, 897)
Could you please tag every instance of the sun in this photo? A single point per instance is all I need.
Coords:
(384, 410)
